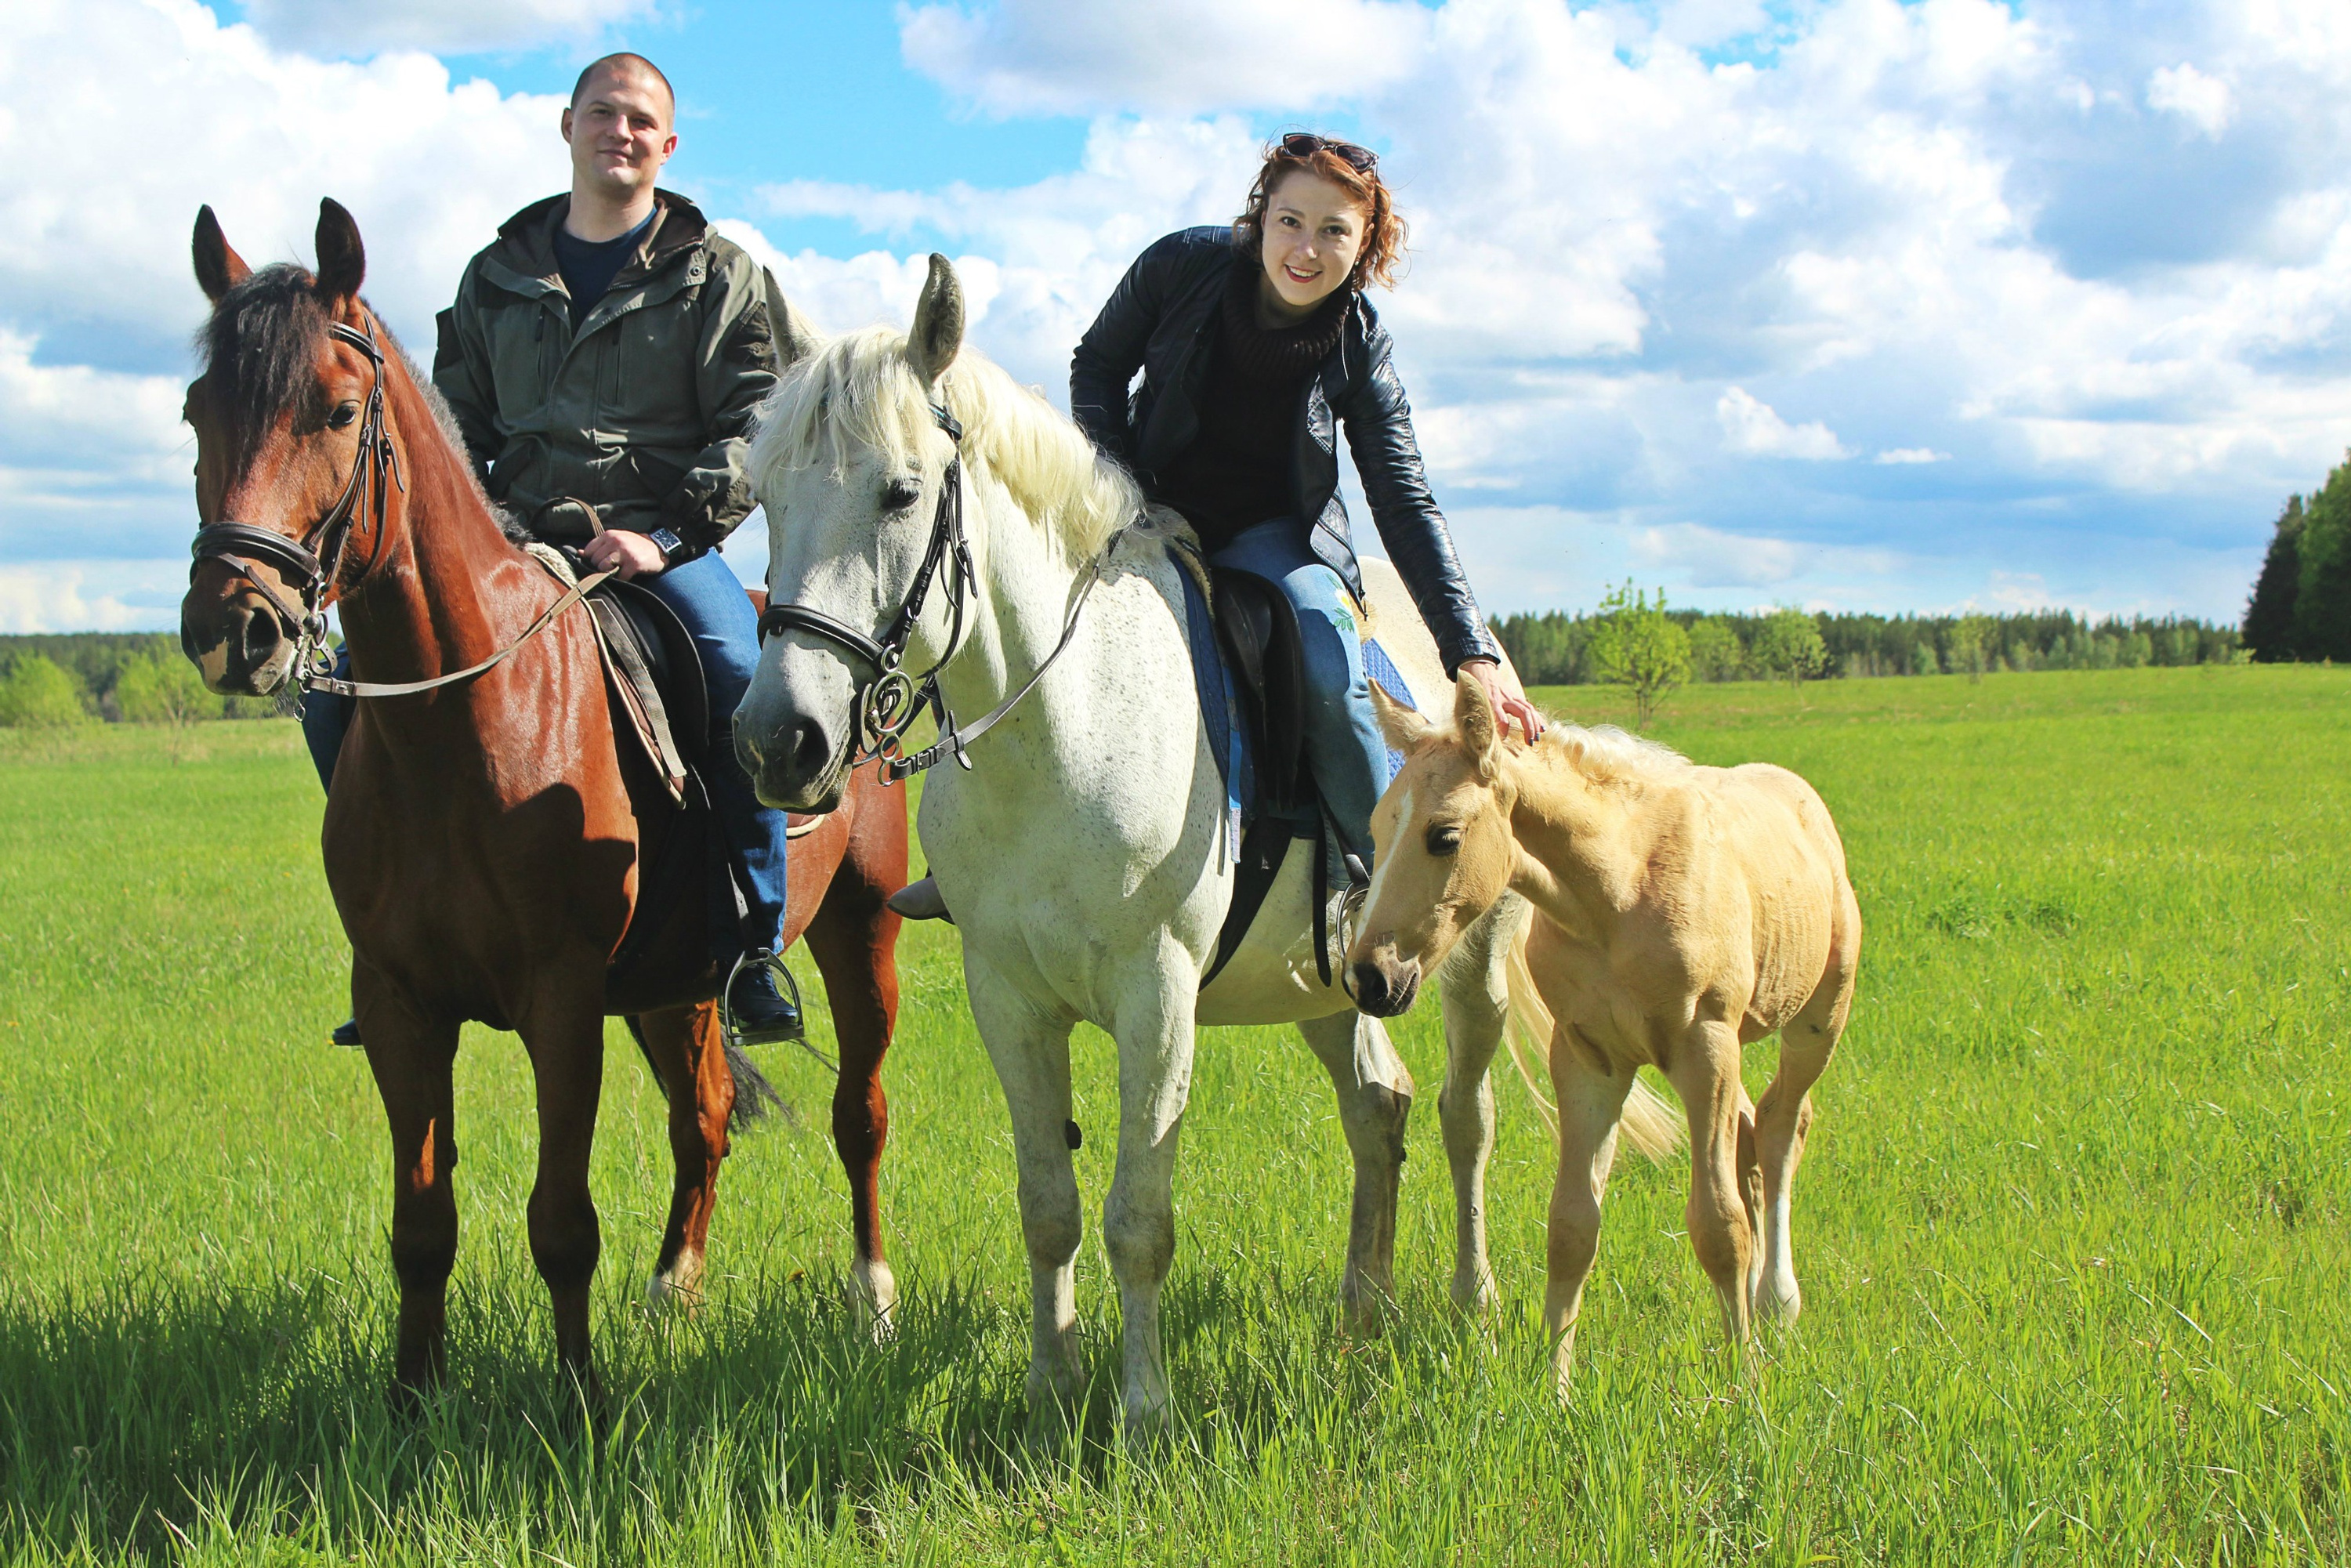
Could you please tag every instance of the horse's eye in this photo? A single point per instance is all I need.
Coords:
(898, 494)
(343, 415)
(1444, 839)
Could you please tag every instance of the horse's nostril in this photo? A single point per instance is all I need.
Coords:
(1371, 988)
(808, 750)
(260, 640)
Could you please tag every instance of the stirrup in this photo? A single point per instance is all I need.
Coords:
(736, 1034)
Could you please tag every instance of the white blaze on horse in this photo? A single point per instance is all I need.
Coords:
(1085, 852)
(1681, 913)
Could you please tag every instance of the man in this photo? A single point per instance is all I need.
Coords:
(603, 359)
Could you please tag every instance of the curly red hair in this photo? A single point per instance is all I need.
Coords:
(1354, 170)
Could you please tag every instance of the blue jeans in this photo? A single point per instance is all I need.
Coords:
(715, 609)
(1345, 748)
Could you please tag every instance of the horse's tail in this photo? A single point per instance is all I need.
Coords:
(1649, 1121)
(754, 1095)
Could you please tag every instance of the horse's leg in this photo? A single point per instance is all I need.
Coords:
(1374, 1098)
(1591, 1102)
(853, 937)
(1154, 1027)
(1476, 998)
(565, 1036)
(1784, 1118)
(688, 1053)
(411, 1057)
(1030, 1050)
(1705, 1071)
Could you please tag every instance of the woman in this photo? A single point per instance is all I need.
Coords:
(1250, 340)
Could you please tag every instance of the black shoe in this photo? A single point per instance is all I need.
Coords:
(347, 1033)
(757, 1011)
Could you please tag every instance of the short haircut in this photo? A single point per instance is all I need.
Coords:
(623, 62)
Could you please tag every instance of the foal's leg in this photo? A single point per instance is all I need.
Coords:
(1591, 1102)
(1785, 1115)
(855, 939)
(1031, 1054)
(411, 1057)
(689, 1055)
(1375, 1099)
(1476, 998)
(565, 1037)
(1705, 1073)
(1153, 1029)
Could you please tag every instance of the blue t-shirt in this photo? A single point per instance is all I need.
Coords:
(590, 266)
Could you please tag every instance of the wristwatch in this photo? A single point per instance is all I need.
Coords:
(670, 545)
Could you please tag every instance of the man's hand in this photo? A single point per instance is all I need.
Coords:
(1488, 674)
(635, 554)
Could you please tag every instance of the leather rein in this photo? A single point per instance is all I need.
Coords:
(316, 571)
(887, 706)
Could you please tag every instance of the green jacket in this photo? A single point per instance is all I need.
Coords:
(645, 412)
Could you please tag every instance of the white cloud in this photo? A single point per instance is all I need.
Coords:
(1080, 57)
(1710, 558)
(60, 596)
(2205, 102)
(1908, 455)
(1752, 428)
(354, 28)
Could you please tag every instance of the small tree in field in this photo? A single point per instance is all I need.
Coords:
(35, 693)
(1634, 644)
(165, 692)
(1972, 652)
(1789, 644)
(1715, 653)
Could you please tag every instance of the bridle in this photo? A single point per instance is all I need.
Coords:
(315, 570)
(887, 706)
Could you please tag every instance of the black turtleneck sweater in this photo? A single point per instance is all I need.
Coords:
(1241, 468)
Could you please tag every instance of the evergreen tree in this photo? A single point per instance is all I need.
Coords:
(2322, 602)
(2269, 613)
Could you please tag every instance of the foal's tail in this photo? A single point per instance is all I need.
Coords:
(1649, 1121)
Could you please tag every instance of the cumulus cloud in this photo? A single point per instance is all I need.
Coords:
(1754, 429)
(459, 26)
(1897, 456)
(1080, 57)
(2205, 102)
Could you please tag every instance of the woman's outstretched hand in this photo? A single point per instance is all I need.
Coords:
(1507, 706)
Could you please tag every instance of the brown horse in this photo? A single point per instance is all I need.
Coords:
(484, 839)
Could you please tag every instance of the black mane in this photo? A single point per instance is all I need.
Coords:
(259, 349)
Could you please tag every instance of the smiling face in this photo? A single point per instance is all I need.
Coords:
(620, 130)
(1443, 848)
(1313, 234)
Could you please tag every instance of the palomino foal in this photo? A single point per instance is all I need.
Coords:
(1681, 913)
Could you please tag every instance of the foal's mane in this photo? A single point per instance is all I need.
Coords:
(1607, 755)
(256, 351)
(859, 389)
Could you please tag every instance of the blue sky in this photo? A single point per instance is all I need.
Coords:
(1850, 303)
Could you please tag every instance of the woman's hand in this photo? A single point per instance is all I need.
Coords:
(635, 554)
(1488, 674)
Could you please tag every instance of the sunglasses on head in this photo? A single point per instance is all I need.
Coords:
(1305, 144)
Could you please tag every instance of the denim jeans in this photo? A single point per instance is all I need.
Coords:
(711, 601)
(1345, 748)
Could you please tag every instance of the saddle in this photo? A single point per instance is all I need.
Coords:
(1248, 661)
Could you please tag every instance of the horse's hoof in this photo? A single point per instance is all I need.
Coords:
(675, 1290)
(872, 1293)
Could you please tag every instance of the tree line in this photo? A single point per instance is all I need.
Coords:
(56, 681)
(2301, 604)
(1577, 648)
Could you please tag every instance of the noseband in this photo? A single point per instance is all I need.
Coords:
(887, 706)
(313, 569)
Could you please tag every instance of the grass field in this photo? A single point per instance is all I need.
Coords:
(2072, 1228)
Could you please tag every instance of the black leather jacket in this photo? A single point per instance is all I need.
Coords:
(1162, 319)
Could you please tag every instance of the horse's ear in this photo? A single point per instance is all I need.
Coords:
(218, 268)
(342, 260)
(795, 338)
(1403, 728)
(1473, 716)
(938, 323)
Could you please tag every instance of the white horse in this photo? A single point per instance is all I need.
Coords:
(1085, 852)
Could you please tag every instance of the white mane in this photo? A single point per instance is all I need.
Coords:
(1608, 754)
(859, 390)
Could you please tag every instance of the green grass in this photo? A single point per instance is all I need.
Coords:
(2072, 1229)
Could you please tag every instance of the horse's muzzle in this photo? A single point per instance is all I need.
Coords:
(795, 765)
(236, 644)
(1386, 985)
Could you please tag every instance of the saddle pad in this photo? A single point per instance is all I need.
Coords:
(1220, 708)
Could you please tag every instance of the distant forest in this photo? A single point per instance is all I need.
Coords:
(87, 667)
(2301, 607)
(1553, 649)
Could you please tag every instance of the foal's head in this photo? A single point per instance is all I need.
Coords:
(277, 416)
(1444, 850)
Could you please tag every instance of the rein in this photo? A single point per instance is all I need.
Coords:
(887, 706)
(315, 571)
